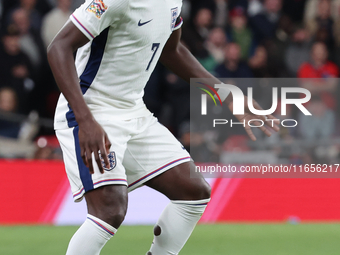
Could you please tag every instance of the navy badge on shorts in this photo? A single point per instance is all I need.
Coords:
(97, 7)
(174, 15)
(112, 161)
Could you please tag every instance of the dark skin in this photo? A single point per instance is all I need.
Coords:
(109, 203)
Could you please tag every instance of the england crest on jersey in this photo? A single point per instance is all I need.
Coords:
(112, 160)
(174, 15)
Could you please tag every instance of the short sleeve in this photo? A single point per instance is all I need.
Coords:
(179, 23)
(94, 16)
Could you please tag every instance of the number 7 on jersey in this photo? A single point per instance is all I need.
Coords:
(154, 49)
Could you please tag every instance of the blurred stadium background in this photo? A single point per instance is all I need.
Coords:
(232, 39)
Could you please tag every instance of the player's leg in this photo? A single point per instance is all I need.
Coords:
(105, 194)
(107, 207)
(189, 198)
(156, 158)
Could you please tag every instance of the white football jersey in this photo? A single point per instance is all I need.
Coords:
(126, 40)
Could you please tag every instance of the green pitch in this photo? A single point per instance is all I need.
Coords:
(234, 239)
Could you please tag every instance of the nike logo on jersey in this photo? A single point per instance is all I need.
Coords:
(144, 23)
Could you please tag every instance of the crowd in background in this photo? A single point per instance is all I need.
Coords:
(230, 38)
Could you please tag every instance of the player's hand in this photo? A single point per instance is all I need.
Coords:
(248, 115)
(93, 139)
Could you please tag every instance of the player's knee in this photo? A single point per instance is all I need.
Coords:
(196, 191)
(200, 191)
(115, 217)
(114, 213)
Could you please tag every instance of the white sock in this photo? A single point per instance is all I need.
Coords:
(91, 237)
(175, 225)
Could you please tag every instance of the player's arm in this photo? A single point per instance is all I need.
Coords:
(176, 57)
(92, 137)
(179, 59)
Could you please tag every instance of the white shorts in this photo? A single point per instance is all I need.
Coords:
(142, 148)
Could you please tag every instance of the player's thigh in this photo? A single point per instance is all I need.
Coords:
(181, 183)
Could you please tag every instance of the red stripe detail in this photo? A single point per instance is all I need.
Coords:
(179, 23)
(210, 87)
(78, 192)
(100, 225)
(82, 26)
(157, 170)
(109, 180)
